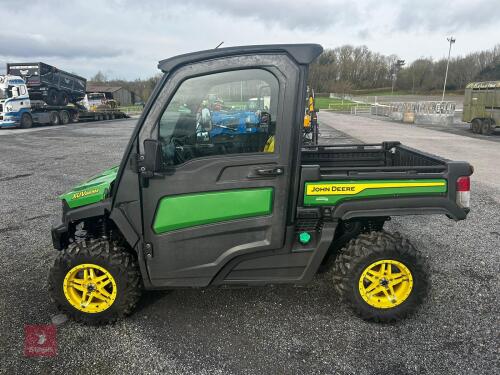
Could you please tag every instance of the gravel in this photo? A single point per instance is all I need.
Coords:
(264, 330)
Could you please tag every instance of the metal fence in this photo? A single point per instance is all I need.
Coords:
(349, 107)
(131, 110)
(427, 107)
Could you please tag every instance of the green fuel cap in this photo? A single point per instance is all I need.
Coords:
(304, 238)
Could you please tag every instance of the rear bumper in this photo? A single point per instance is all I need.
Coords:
(400, 207)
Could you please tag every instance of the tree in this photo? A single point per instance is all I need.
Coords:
(348, 68)
(100, 77)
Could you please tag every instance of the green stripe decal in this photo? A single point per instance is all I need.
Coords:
(333, 192)
(189, 210)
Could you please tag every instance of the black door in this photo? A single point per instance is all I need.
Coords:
(224, 126)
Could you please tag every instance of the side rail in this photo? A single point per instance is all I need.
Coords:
(402, 155)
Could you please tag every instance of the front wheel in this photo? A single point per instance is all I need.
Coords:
(95, 282)
(26, 121)
(381, 276)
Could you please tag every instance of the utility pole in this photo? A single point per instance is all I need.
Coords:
(395, 70)
(451, 40)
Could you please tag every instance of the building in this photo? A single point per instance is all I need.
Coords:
(123, 96)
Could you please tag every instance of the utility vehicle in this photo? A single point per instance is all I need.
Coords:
(189, 207)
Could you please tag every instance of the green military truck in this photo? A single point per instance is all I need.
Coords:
(198, 202)
(482, 106)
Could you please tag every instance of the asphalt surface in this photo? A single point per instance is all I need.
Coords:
(269, 330)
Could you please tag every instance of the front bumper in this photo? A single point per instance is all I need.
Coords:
(8, 121)
(60, 238)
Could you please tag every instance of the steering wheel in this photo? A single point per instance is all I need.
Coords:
(179, 152)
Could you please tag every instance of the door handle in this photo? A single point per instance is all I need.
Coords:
(268, 172)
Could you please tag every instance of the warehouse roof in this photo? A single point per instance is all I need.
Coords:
(94, 87)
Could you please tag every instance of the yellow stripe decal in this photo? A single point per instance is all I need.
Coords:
(352, 188)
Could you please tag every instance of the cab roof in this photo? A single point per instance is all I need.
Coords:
(301, 53)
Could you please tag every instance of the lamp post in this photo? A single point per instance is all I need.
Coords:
(395, 70)
(451, 40)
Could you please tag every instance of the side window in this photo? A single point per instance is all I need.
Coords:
(220, 114)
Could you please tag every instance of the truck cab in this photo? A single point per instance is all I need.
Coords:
(14, 100)
(191, 207)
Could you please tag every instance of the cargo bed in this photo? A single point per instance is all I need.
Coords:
(386, 178)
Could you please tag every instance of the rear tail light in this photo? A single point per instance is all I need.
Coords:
(463, 191)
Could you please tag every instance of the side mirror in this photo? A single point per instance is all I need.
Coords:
(152, 155)
(15, 92)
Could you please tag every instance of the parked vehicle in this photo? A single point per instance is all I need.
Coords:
(482, 106)
(48, 83)
(97, 101)
(182, 210)
(311, 129)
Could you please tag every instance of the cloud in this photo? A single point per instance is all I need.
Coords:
(36, 45)
(459, 15)
(317, 15)
(291, 14)
(126, 38)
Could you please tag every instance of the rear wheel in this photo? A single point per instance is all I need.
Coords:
(52, 97)
(486, 127)
(75, 117)
(64, 116)
(476, 125)
(63, 98)
(54, 118)
(95, 282)
(26, 121)
(381, 276)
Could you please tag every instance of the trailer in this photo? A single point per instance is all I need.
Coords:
(482, 106)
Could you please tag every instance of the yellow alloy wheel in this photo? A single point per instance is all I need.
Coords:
(89, 288)
(386, 283)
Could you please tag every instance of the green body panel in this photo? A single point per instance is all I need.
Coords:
(371, 189)
(91, 191)
(188, 210)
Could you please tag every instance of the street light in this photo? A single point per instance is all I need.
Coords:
(451, 40)
(395, 70)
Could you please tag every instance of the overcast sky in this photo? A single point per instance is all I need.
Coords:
(126, 38)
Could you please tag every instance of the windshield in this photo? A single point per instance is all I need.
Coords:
(2, 94)
(96, 96)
